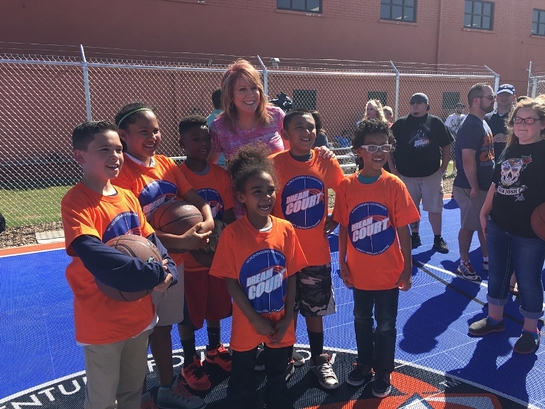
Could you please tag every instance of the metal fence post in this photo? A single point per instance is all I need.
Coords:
(86, 84)
(265, 76)
(397, 90)
(529, 78)
(496, 77)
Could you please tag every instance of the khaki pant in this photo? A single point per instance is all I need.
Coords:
(115, 373)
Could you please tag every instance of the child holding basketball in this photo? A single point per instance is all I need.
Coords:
(114, 334)
(518, 188)
(258, 256)
(155, 179)
(374, 210)
(206, 296)
(305, 178)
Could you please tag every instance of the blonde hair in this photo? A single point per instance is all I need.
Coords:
(375, 103)
(390, 110)
(537, 104)
(242, 69)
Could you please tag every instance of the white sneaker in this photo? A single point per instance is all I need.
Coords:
(324, 372)
(178, 399)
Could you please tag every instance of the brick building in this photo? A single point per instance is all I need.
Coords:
(502, 34)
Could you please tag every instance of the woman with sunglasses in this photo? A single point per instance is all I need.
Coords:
(518, 187)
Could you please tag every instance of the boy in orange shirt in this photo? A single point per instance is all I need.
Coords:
(374, 210)
(114, 334)
(305, 179)
(206, 296)
(258, 256)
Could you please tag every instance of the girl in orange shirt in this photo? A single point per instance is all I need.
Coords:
(258, 256)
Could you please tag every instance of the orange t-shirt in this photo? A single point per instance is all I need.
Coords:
(372, 212)
(98, 318)
(215, 187)
(303, 199)
(262, 263)
(154, 185)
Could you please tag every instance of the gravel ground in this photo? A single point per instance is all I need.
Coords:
(26, 235)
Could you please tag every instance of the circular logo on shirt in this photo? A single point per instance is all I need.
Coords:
(303, 203)
(155, 193)
(262, 279)
(369, 228)
(213, 198)
(123, 223)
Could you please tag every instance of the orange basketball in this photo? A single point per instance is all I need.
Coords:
(175, 217)
(537, 221)
(134, 246)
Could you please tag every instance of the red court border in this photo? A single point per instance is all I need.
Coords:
(10, 251)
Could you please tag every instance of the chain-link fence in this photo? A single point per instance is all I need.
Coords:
(536, 81)
(43, 98)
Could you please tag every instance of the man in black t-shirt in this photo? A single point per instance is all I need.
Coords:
(421, 158)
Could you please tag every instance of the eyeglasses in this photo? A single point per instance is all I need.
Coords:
(374, 148)
(491, 97)
(527, 121)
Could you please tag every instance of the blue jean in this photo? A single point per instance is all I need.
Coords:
(376, 347)
(507, 252)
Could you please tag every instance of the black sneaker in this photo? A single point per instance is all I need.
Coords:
(359, 374)
(382, 386)
(416, 240)
(440, 246)
(527, 344)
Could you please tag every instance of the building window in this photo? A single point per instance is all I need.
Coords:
(312, 6)
(479, 14)
(538, 22)
(400, 10)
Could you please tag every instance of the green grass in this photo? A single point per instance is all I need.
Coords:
(28, 207)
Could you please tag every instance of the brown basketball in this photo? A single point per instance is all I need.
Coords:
(214, 238)
(538, 221)
(134, 246)
(175, 217)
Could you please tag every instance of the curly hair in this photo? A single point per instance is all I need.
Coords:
(368, 127)
(250, 160)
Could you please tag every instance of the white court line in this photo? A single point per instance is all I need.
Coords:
(449, 273)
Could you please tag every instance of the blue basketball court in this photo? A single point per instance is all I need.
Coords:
(437, 363)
